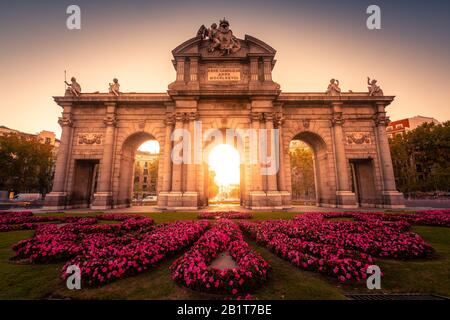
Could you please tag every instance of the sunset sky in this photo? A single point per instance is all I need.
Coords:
(132, 40)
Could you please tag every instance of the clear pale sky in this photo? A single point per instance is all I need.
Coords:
(132, 40)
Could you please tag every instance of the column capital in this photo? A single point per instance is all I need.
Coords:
(337, 119)
(170, 119)
(256, 116)
(381, 119)
(269, 116)
(110, 120)
(279, 119)
(180, 117)
(192, 116)
(65, 121)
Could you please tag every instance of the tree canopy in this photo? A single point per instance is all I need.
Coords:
(26, 165)
(421, 158)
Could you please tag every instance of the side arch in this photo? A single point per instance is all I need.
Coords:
(324, 173)
(127, 145)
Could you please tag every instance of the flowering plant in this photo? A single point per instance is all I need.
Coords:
(193, 269)
(225, 215)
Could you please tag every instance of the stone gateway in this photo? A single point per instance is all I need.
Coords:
(224, 83)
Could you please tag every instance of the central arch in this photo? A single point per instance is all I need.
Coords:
(224, 174)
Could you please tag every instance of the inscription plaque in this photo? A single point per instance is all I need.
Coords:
(224, 74)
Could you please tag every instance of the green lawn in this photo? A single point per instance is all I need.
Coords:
(24, 281)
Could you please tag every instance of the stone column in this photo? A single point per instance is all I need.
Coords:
(285, 194)
(180, 69)
(271, 178)
(177, 168)
(190, 197)
(391, 197)
(167, 161)
(193, 69)
(56, 199)
(267, 69)
(273, 195)
(254, 69)
(103, 196)
(257, 195)
(345, 197)
(175, 197)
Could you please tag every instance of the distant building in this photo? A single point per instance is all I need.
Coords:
(145, 174)
(44, 137)
(399, 127)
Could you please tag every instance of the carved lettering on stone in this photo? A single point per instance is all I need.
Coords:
(89, 138)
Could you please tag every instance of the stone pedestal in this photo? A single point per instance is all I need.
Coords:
(55, 201)
(162, 200)
(274, 199)
(258, 200)
(102, 201)
(393, 199)
(346, 200)
(175, 200)
(190, 200)
(286, 199)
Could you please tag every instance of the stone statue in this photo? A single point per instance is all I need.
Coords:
(333, 88)
(114, 87)
(73, 88)
(221, 38)
(374, 89)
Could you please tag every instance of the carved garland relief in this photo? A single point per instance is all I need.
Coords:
(90, 138)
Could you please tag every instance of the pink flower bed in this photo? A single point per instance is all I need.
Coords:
(13, 221)
(224, 215)
(193, 269)
(343, 249)
(54, 243)
(106, 258)
(439, 218)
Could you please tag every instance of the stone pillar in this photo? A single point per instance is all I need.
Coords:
(271, 178)
(391, 197)
(193, 69)
(190, 196)
(180, 69)
(103, 196)
(344, 195)
(273, 195)
(285, 194)
(254, 74)
(257, 195)
(175, 197)
(56, 199)
(267, 69)
(167, 161)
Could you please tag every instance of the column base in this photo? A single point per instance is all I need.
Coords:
(174, 199)
(274, 199)
(162, 200)
(393, 199)
(190, 199)
(286, 199)
(55, 201)
(346, 200)
(258, 199)
(102, 201)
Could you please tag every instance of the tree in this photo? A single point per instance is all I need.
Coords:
(302, 170)
(26, 165)
(421, 158)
